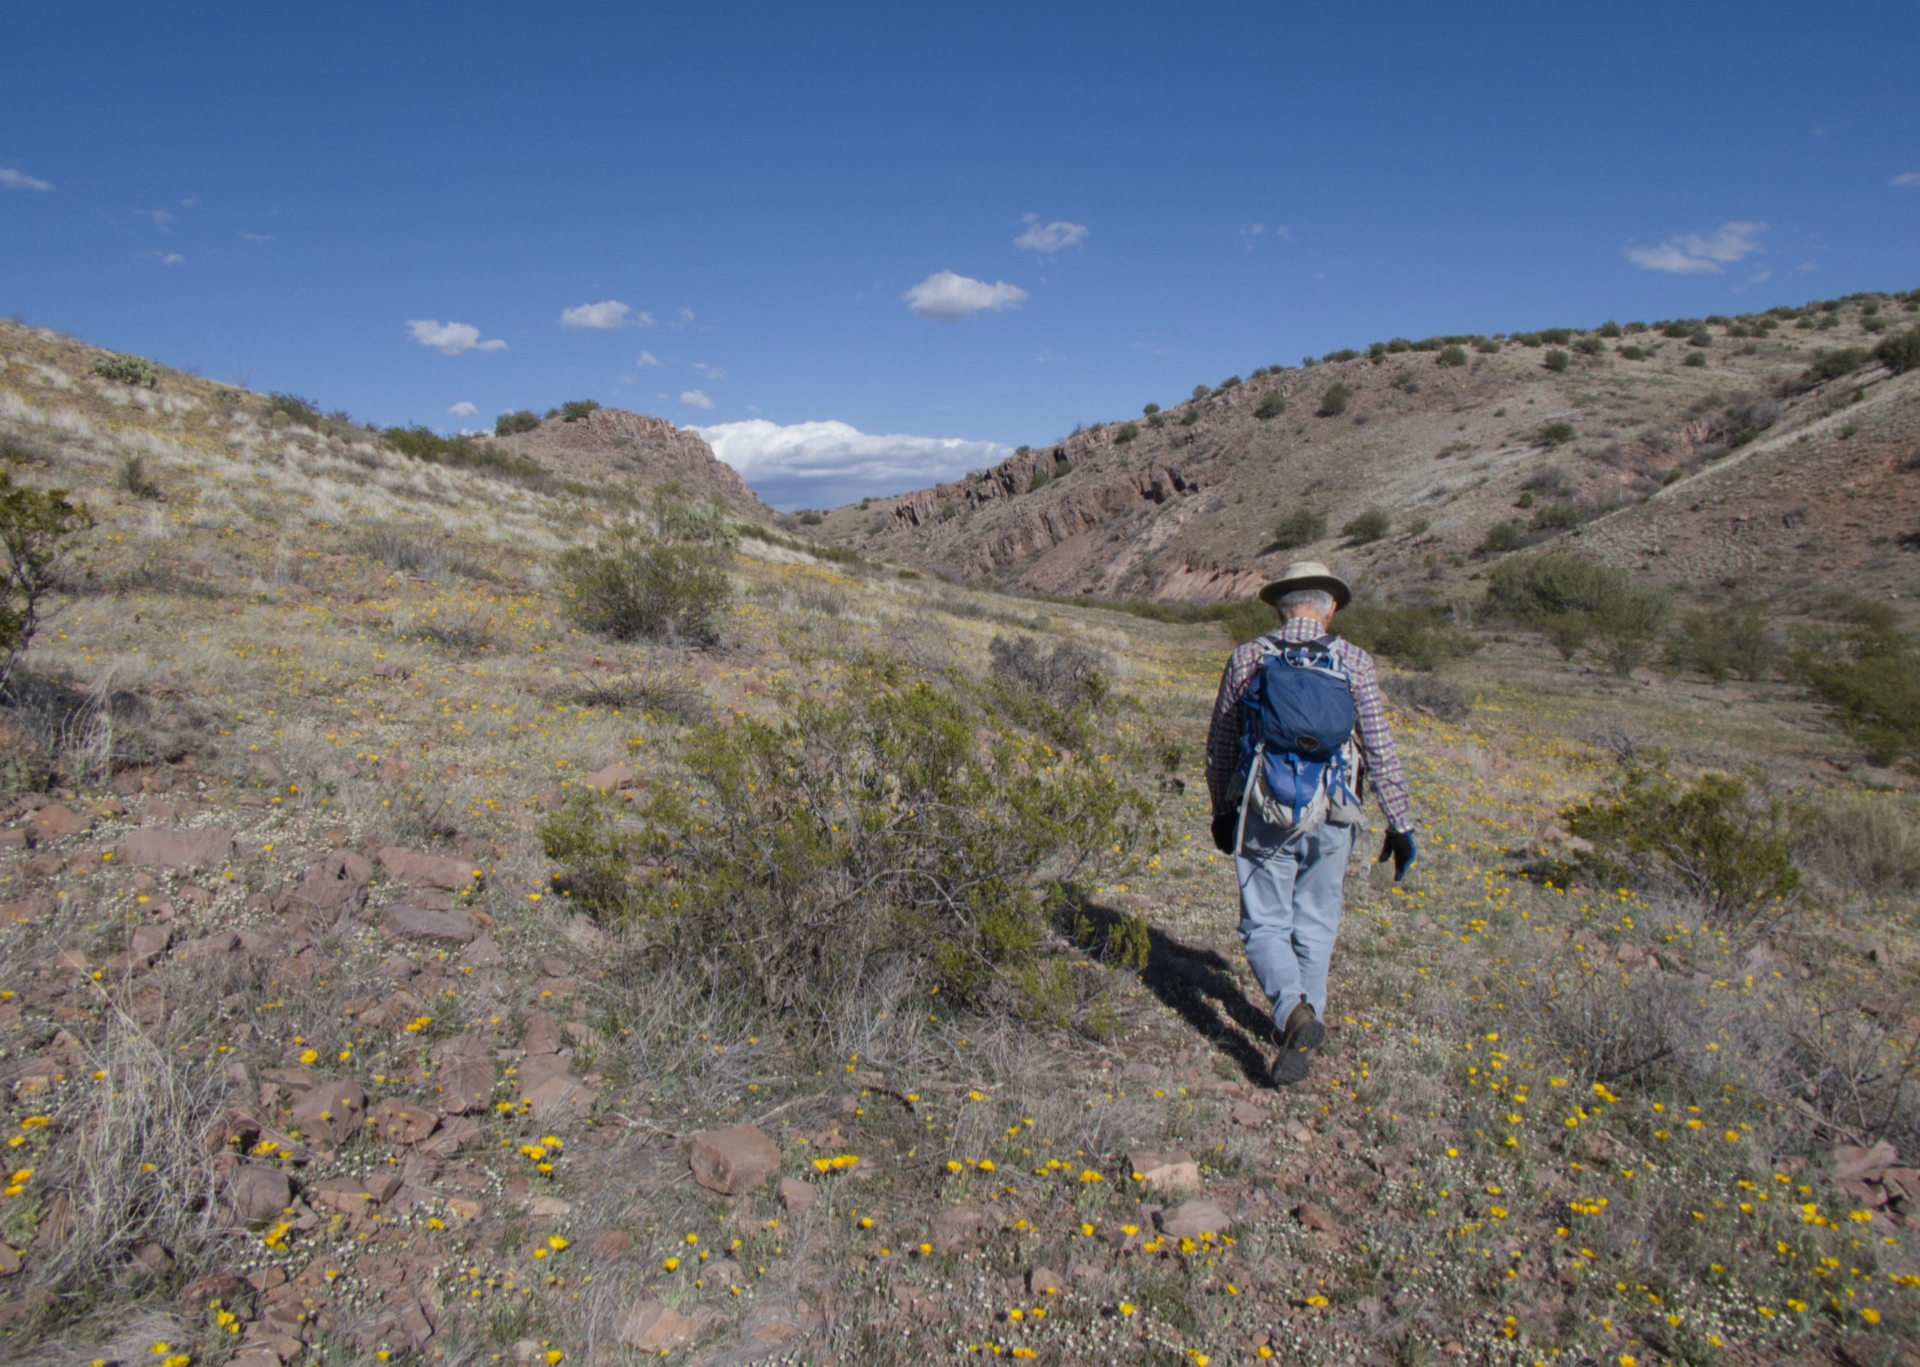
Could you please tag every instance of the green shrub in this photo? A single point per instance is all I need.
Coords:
(1271, 405)
(1552, 434)
(1451, 356)
(1556, 336)
(1501, 538)
(1367, 528)
(296, 409)
(1835, 364)
(1633, 353)
(1725, 642)
(1487, 346)
(520, 420)
(36, 530)
(1868, 671)
(1334, 402)
(423, 443)
(1300, 527)
(1200, 391)
(1609, 329)
(1900, 352)
(1041, 478)
(575, 409)
(131, 370)
(1416, 638)
(1864, 841)
(894, 828)
(1589, 346)
(1150, 409)
(1575, 602)
(807, 517)
(1715, 839)
(1231, 382)
(1702, 338)
(631, 589)
(1695, 360)
(133, 477)
(1125, 433)
(1556, 360)
(1557, 517)
(1191, 416)
(1344, 354)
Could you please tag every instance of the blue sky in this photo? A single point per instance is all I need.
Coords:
(883, 242)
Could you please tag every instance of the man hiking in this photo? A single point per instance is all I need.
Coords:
(1298, 728)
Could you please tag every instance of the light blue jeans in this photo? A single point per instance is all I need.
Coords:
(1290, 890)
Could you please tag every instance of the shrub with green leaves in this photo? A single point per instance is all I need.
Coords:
(1629, 351)
(1300, 527)
(1271, 405)
(893, 828)
(125, 369)
(1574, 603)
(1556, 360)
(1416, 638)
(1557, 517)
(1501, 538)
(520, 420)
(632, 588)
(36, 531)
(1451, 356)
(1900, 352)
(1344, 354)
(423, 443)
(1725, 642)
(1231, 382)
(575, 409)
(296, 409)
(1041, 478)
(1719, 839)
(1867, 668)
(1552, 434)
(1367, 528)
(1125, 433)
(1833, 365)
(1334, 402)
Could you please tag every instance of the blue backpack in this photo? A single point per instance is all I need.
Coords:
(1296, 756)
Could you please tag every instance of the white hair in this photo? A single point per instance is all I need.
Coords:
(1315, 600)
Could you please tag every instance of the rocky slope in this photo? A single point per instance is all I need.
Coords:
(1658, 455)
(612, 446)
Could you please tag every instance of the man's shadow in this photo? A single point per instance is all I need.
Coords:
(1199, 985)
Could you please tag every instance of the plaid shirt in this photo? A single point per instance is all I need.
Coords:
(1370, 708)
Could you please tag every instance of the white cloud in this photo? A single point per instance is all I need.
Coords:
(683, 317)
(647, 358)
(821, 464)
(161, 218)
(1905, 180)
(1694, 254)
(712, 372)
(1048, 238)
(693, 398)
(256, 237)
(164, 258)
(604, 316)
(190, 202)
(452, 338)
(462, 409)
(19, 180)
(951, 297)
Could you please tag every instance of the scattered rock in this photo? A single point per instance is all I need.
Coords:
(150, 941)
(465, 1073)
(1316, 1218)
(1246, 1115)
(215, 1286)
(1851, 1162)
(1191, 1219)
(334, 887)
(1043, 1281)
(331, 1111)
(651, 1326)
(549, 1208)
(798, 1195)
(428, 870)
(453, 1136)
(9, 1260)
(733, 1160)
(203, 847)
(54, 821)
(542, 1036)
(402, 1122)
(258, 1193)
(1165, 1173)
(482, 953)
(610, 779)
(611, 1243)
(956, 1228)
(417, 923)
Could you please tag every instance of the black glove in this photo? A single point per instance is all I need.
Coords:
(1399, 846)
(1225, 826)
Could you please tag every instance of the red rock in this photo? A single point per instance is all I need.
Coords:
(1316, 1218)
(9, 1260)
(443, 927)
(402, 1122)
(798, 1195)
(611, 1243)
(610, 779)
(733, 1160)
(55, 821)
(1191, 1219)
(1165, 1173)
(542, 1035)
(957, 1227)
(428, 870)
(482, 953)
(14, 839)
(215, 1286)
(337, 884)
(150, 941)
(258, 1193)
(331, 1111)
(1044, 1281)
(182, 851)
(464, 1074)
(651, 1326)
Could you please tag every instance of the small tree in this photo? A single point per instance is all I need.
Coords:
(1271, 406)
(1125, 433)
(1334, 402)
(1200, 391)
(1150, 409)
(1299, 528)
(1556, 360)
(1900, 352)
(34, 527)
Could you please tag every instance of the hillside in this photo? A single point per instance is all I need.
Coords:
(611, 447)
(1669, 433)
(392, 970)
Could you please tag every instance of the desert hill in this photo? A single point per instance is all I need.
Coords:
(1652, 438)
(612, 447)
(393, 969)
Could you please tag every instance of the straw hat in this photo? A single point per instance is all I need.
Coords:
(1307, 574)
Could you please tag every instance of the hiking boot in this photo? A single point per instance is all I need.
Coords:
(1302, 1034)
